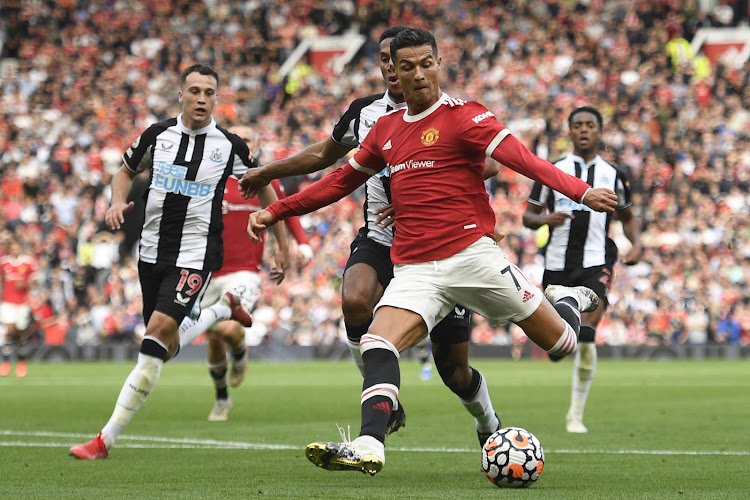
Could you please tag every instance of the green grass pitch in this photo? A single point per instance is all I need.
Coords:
(661, 430)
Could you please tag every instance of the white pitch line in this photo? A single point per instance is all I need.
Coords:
(156, 442)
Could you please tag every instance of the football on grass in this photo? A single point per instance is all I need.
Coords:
(512, 458)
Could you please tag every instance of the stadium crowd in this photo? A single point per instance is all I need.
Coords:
(74, 96)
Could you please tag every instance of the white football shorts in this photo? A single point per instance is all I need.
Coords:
(218, 286)
(18, 315)
(480, 277)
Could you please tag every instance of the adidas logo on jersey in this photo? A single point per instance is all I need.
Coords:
(387, 145)
(527, 296)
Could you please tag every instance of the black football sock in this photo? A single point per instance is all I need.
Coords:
(380, 387)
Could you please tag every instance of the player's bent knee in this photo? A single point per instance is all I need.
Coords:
(357, 309)
(231, 332)
(213, 336)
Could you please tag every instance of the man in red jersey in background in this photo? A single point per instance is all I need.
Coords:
(444, 251)
(241, 268)
(16, 277)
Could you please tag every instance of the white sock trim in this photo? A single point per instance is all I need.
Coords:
(390, 391)
(566, 344)
(356, 354)
(372, 341)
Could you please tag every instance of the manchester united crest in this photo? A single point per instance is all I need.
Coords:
(430, 136)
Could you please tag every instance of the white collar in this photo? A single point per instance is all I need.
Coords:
(575, 157)
(203, 130)
(411, 119)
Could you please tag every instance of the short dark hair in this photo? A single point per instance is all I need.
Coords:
(203, 69)
(586, 109)
(392, 32)
(412, 37)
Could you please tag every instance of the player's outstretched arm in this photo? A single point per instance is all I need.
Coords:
(311, 159)
(122, 181)
(324, 192)
(511, 153)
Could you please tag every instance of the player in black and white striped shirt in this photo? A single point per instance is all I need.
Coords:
(579, 251)
(369, 268)
(180, 246)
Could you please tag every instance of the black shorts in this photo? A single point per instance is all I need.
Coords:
(598, 278)
(367, 251)
(453, 329)
(170, 290)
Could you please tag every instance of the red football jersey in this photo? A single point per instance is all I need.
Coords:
(17, 272)
(436, 161)
(240, 253)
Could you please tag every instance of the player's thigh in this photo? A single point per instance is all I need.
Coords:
(454, 328)
(16, 315)
(368, 272)
(150, 279)
(361, 288)
(401, 327)
(178, 290)
(418, 288)
(483, 279)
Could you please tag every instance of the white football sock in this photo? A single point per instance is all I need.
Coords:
(480, 407)
(584, 368)
(371, 444)
(134, 393)
(191, 329)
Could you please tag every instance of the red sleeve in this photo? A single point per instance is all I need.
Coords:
(327, 190)
(511, 153)
(292, 223)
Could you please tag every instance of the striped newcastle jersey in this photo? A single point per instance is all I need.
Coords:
(351, 130)
(580, 242)
(189, 169)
